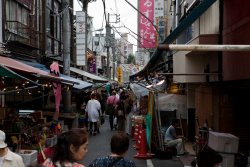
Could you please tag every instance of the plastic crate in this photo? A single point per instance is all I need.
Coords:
(29, 156)
(51, 141)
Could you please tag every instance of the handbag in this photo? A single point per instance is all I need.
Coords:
(120, 113)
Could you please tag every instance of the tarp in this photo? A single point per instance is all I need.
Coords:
(80, 86)
(88, 75)
(18, 66)
(138, 90)
(171, 102)
(6, 72)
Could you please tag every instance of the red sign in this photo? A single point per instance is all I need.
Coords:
(145, 27)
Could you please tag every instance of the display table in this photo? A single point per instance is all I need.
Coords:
(68, 118)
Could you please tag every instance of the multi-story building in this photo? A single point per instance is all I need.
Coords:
(216, 83)
(126, 48)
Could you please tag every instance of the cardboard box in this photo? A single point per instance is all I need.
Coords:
(223, 142)
(29, 156)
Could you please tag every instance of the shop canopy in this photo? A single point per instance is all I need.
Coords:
(82, 84)
(18, 66)
(6, 72)
(88, 75)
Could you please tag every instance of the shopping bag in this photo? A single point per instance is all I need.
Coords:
(120, 113)
(102, 119)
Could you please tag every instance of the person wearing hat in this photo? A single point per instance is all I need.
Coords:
(7, 157)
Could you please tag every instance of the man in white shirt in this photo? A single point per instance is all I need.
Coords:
(93, 108)
(172, 140)
(7, 157)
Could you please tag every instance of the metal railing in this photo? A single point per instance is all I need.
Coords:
(16, 31)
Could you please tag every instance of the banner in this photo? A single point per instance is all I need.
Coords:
(146, 29)
(119, 74)
(54, 70)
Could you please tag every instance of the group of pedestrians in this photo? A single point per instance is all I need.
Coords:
(72, 148)
(120, 112)
(117, 105)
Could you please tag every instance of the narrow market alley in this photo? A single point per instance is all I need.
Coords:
(99, 146)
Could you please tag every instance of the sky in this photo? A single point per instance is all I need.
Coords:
(128, 16)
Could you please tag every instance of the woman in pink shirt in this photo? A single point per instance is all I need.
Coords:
(112, 100)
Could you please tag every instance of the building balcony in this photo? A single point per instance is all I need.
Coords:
(23, 34)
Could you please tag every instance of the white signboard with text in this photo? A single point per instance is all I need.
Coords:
(80, 38)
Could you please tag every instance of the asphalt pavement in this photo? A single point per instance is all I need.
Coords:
(99, 145)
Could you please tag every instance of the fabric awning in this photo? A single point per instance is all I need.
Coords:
(6, 72)
(81, 84)
(88, 75)
(22, 67)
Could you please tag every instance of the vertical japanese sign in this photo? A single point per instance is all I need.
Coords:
(161, 23)
(92, 65)
(80, 38)
(158, 15)
(159, 9)
(119, 74)
(145, 28)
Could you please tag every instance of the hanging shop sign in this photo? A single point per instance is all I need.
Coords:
(119, 74)
(145, 27)
(80, 38)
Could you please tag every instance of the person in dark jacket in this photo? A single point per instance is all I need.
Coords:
(119, 146)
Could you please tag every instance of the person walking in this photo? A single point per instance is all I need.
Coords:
(7, 157)
(93, 108)
(119, 145)
(103, 99)
(71, 148)
(112, 102)
(122, 111)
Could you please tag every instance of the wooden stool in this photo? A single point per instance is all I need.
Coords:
(171, 150)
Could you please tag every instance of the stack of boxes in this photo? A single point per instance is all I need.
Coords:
(226, 144)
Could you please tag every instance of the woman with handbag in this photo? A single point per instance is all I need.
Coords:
(112, 102)
(121, 117)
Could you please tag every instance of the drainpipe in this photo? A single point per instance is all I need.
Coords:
(183, 47)
(220, 55)
(177, 16)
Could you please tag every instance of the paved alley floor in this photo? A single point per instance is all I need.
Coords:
(99, 145)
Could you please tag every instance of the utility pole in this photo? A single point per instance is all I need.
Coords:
(108, 34)
(110, 39)
(66, 93)
(66, 39)
(113, 52)
(85, 9)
